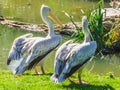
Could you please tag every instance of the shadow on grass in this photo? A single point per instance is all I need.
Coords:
(77, 86)
(46, 74)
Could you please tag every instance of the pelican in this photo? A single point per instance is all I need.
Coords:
(27, 51)
(72, 56)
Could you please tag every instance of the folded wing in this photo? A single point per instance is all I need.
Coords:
(71, 57)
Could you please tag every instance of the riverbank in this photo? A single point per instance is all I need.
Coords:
(30, 81)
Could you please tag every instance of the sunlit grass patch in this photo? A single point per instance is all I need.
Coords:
(30, 81)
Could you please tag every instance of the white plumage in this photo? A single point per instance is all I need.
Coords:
(72, 56)
(28, 51)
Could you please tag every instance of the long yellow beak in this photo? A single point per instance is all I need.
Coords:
(56, 19)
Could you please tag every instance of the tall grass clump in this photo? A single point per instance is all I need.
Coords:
(96, 27)
(95, 18)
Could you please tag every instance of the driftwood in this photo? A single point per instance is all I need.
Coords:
(69, 28)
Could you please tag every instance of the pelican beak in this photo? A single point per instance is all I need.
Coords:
(56, 19)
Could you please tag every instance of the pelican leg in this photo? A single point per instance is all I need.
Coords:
(79, 74)
(69, 79)
(42, 69)
(36, 71)
(79, 78)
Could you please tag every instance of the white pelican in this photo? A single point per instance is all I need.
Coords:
(28, 51)
(72, 56)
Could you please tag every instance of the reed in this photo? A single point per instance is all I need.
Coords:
(96, 27)
(95, 18)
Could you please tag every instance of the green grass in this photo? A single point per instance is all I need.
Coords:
(29, 81)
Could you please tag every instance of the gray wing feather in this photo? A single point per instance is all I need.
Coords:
(34, 48)
(79, 54)
(61, 56)
(19, 47)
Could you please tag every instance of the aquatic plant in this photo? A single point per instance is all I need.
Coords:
(96, 26)
(95, 18)
(78, 36)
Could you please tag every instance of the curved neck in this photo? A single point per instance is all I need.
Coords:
(87, 36)
(50, 28)
(49, 24)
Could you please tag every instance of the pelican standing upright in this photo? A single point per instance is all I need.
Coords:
(72, 56)
(28, 51)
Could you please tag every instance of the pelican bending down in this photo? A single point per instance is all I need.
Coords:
(27, 51)
(72, 56)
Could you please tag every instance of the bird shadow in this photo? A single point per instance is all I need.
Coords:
(46, 74)
(78, 86)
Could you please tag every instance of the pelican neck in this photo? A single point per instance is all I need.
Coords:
(87, 37)
(49, 24)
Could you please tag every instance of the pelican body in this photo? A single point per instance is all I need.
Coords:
(27, 51)
(72, 56)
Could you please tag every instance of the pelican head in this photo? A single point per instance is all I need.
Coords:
(45, 11)
(84, 23)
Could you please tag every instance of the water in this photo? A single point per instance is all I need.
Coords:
(28, 11)
(109, 64)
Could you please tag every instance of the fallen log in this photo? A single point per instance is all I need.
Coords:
(69, 28)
